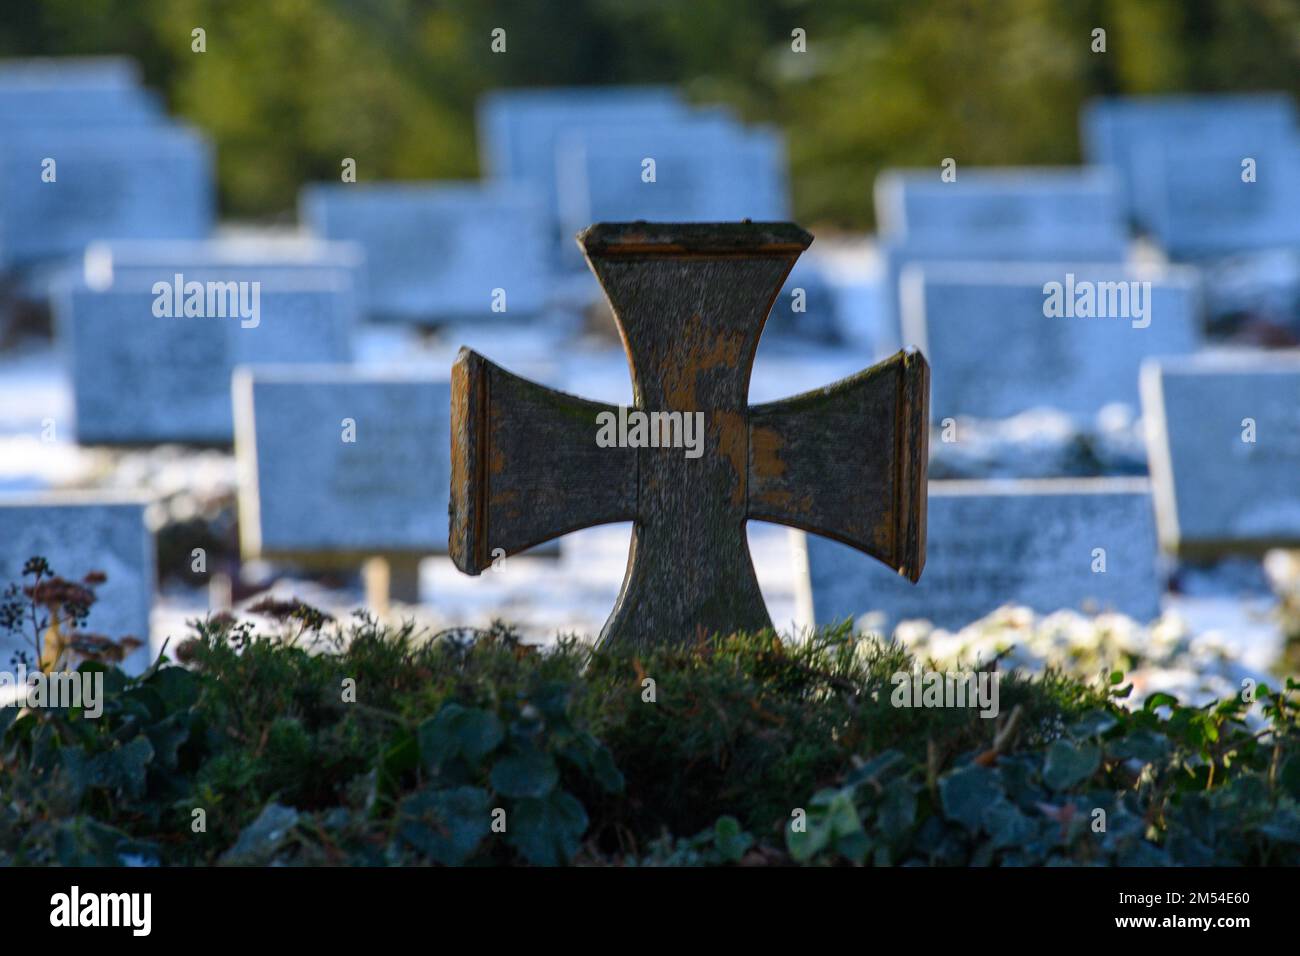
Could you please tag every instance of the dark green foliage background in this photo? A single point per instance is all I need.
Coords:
(288, 88)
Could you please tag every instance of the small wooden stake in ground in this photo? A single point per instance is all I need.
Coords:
(391, 578)
(847, 461)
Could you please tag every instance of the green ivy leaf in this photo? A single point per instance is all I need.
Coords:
(1288, 776)
(966, 791)
(1008, 827)
(177, 687)
(1093, 724)
(262, 839)
(1144, 745)
(454, 731)
(831, 822)
(122, 769)
(398, 759)
(82, 841)
(874, 768)
(1068, 764)
(731, 841)
(167, 736)
(815, 836)
(1159, 699)
(547, 831)
(445, 825)
(896, 812)
(531, 773)
(479, 732)
(605, 771)
(1283, 826)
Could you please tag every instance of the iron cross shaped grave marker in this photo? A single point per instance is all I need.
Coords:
(847, 461)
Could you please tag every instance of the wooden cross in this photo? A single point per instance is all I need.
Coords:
(847, 461)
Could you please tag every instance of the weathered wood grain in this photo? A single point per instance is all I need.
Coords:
(690, 300)
(841, 461)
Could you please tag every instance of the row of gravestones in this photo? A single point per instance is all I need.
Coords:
(1020, 288)
(139, 380)
(1223, 432)
(1223, 438)
(90, 155)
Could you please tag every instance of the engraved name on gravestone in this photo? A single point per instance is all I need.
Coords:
(990, 543)
(1223, 439)
(995, 351)
(1015, 214)
(77, 534)
(341, 463)
(439, 252)
(152, 182)
(140, 377)
(1116, 132)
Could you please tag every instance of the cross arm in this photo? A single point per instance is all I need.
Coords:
(849, 461)
(525, 466)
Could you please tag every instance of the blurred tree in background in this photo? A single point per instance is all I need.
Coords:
(289, 87)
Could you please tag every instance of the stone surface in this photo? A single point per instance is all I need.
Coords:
(139, 378)
(994, 353)
(1118, 131)
(519, 129)
(1198, 206)
(306, 494)
(148, 182)
(107, 263)
(435, 252)
(706, 170)
(1215, 491)
(75, 92)
(998, 542)
(1038, 214)
(846, 460)
(77, 534)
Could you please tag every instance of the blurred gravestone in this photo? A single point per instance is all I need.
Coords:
(1035, 543)
(1001, 340)
(705, 170)
(437, 252)
(1122, 133)
(74, 92)
(1030, 214)
(1224, 444)
(338, 466)
(519, 131)
(141, 378)
(341, 463)
(1199, 206)
(77, 534)
(148, 182)
(149, 260)
(808, 308)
